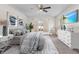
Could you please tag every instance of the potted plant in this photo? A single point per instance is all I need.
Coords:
(30, 27)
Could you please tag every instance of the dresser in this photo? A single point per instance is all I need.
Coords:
(71, 39)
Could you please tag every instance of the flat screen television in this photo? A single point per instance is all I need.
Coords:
(71, 17)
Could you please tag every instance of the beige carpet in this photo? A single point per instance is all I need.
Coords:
(62, 48)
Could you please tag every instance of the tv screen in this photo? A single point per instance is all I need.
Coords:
(71, 17)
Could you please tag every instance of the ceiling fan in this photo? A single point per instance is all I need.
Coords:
(42, 8)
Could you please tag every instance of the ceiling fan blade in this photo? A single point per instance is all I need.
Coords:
(47, 8)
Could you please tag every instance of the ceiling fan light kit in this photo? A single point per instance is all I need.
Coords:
(42, 8)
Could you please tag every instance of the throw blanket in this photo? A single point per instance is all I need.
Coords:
(37, 43)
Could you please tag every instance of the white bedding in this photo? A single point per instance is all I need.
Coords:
(49, 48)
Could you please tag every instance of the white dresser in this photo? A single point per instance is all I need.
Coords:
(71, 39)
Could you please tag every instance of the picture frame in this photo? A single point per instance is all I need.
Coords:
(12, 19)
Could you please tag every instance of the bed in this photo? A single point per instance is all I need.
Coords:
(34, 43)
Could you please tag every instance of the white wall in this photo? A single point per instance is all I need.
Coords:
(48, 22)
(6, 8)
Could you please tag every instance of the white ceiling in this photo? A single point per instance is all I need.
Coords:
(31, 10)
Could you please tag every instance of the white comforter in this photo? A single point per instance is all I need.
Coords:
(34, 40)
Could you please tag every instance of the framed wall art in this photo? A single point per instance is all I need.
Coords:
(12, 19)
